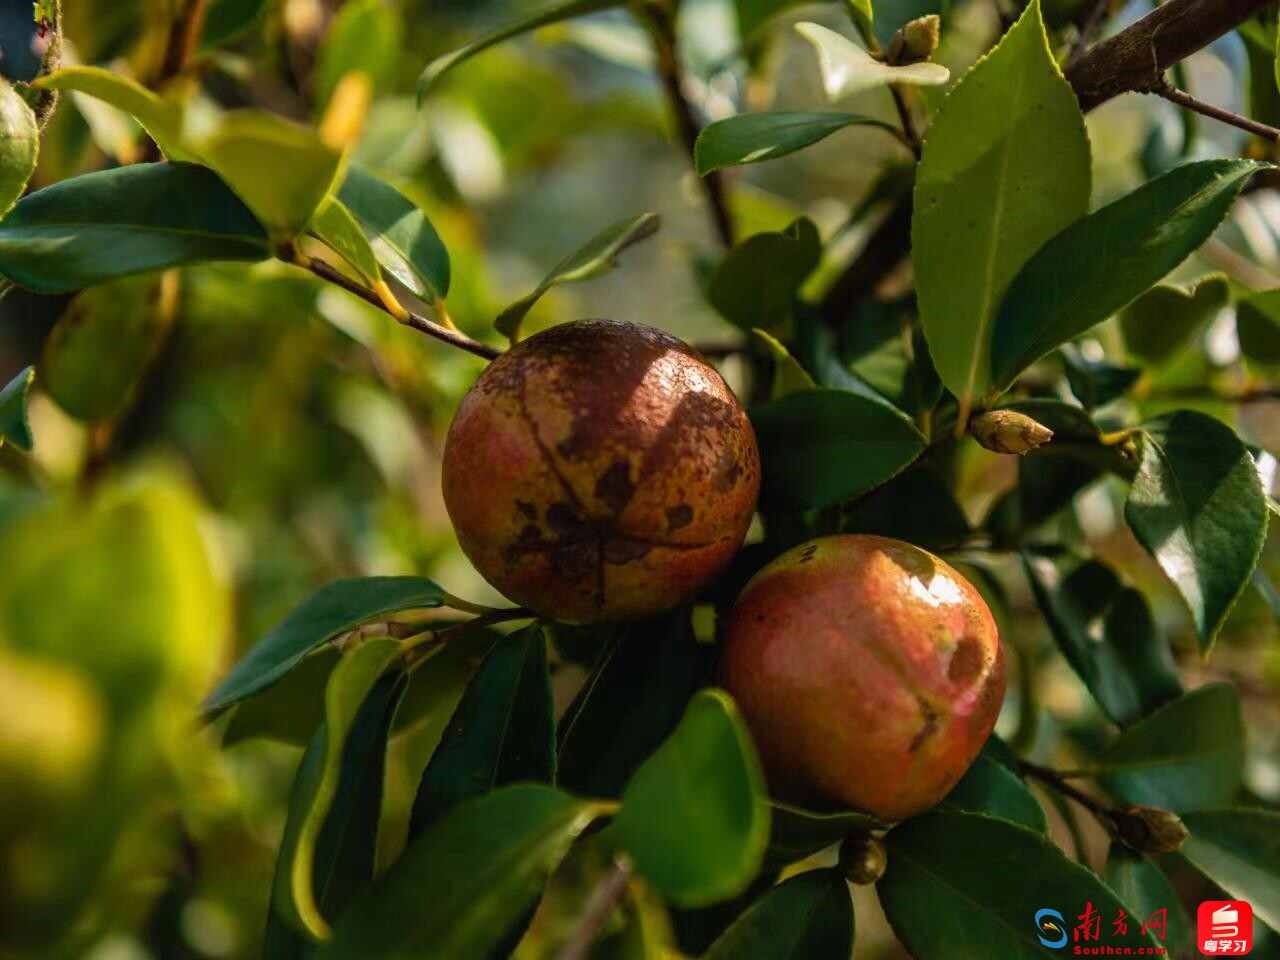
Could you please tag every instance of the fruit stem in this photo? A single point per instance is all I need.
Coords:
(417, 649)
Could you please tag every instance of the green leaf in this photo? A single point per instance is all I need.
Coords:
(1095, 382)
(1159, 323)
(796, 833)
(337, 227)
(917, 506)
(403, 239)
(965, 885)
(161, 119)
(882, 344)
(756, 137)
(554, 13)
(19, 146)
(226, 19)
(754, 14)
(636, 693)
(823, 446)
(292, 710)
(1187, 754)
(993, 789)
(848, 69)
(461, 885)
(364, 35)
(114, 223)
(1100, 263)
(102, 344)
(1146, 892)
(809, 917)
(694, 817)
(332, 610)
(1239, 850)
(755, 285)
(594, 258)
(1198, 508)
(1258, 326)
(993, 185)
(863, 16)
(14, 427)
(336, 764)
(1106, 633)
(788, 376)
(282, 170)
(503, 730)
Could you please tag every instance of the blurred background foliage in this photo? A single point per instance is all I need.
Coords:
(217, 442)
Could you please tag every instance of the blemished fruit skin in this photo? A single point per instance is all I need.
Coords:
(600, 471)
(869, 671)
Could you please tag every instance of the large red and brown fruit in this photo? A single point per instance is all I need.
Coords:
(869, 671)
(600, 471)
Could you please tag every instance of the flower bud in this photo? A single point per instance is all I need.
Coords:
(1150, 829)
(1007, 431)
(916, 41)
(863, 859)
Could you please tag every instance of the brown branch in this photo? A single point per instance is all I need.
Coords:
(663, 30)
(1171, 93)
(432, 329)
(184, 35)
(884, 250)
(1136, 58)
(596, 915)
(1088, 31)
(910, 136)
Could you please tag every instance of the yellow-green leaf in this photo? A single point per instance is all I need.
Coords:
(19, 145)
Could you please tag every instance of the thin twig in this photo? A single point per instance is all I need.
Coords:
(184, 34)
(423, 643)
(910, 136)
(1088, 31)
(1052, 778)
(429, 327)
(663, 30)
(1169, 92)
(603, 900)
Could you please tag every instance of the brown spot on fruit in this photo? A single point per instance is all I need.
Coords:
(600, 471)
(841, 655)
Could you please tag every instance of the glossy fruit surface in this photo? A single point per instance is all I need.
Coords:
(869, 671)
(600, 471)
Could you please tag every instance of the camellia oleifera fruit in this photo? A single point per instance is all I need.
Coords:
(600, 471)
(869, 672)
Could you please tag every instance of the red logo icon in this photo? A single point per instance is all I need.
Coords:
(1224, 927)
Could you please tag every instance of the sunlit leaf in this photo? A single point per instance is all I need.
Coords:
(848, 69)
(19, 146)
(756, 137)
(1161, 321)
(338, 228)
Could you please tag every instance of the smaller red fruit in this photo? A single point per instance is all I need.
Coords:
(869, 672)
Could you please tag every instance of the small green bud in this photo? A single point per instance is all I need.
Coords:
(863, 859)
(1150, 829)
(916, 41)
(1007, 431)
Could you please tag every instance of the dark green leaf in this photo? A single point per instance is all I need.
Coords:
(1258, 326)
(1145, 891)
(753, 14)
(637, 691)
(694, 817)
(1160, 322)
(292, 710)
(327, 853)
(549, 14)
(102, 344)
(403, 239)
(965, 885)
(13, 410)
(119, 222)
(879, 345)
(227, 18)
(916, 506)
(809, 917)
(1239, 850)
(1198, 508)
(1095, 382)
(1106, 633)
(594, 258)
(823, 446)
(756, 137)
(1100, 263)
(1187, 754)
(991, 788)
(296, 895)
(788, 375)
(460, 886)
(19, 145)
(502, 732)
(757, 281)
(796, 833)
(333, 609)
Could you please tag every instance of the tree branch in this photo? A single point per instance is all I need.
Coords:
(184, 34)
(1171, 93)
(1136, 58)
(432, 329)
(601, 905)
(663, 30)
